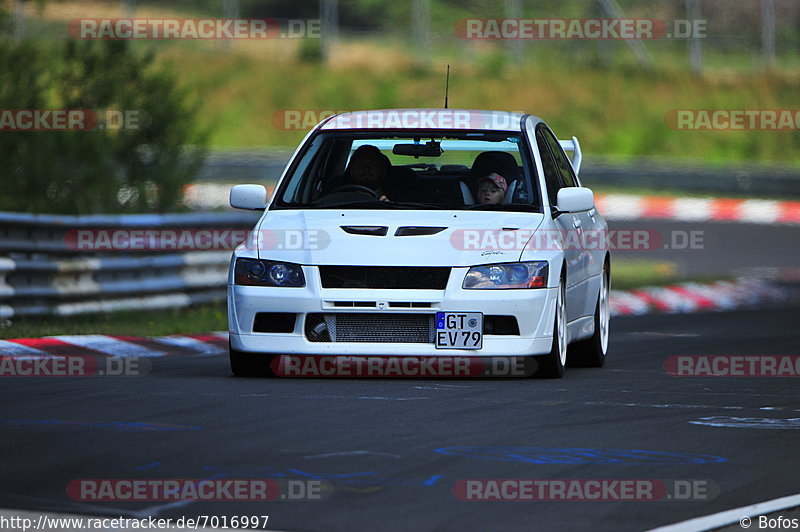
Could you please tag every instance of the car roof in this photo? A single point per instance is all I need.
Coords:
(415, 119)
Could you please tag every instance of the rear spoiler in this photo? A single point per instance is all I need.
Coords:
(575, 147)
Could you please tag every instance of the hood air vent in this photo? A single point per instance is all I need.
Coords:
(418, 231)
(371, 230)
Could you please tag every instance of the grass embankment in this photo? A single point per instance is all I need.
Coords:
(201, 319)
(613, 112)
(615, 107)
(625, 275)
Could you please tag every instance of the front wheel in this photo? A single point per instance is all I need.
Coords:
(591, 353)
(248, 364)
(551, 365)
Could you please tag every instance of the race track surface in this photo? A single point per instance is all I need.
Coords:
(392, 450)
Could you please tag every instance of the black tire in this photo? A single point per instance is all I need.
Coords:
(249, 364)
(551, 365)
(591, 353)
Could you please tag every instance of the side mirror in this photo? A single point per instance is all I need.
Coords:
(575, 199)
(250, 197)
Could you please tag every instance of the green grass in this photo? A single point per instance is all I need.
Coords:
(632, 274)
(615, 112)
(198, 319)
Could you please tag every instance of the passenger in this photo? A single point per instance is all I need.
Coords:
(369, 168)
(492, 189)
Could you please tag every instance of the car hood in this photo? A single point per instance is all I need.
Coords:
(353, 237)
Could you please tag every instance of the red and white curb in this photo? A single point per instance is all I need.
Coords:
(631, 207)
(695, 297)
(117, 346)
(611, 206)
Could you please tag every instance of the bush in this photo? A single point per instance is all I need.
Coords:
(99, 171)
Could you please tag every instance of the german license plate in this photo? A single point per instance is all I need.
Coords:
(459, 330)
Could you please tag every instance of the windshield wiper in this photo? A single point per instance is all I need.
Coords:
(375, 204)
(507, 207)
(414, 205)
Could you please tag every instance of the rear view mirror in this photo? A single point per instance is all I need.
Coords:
(429, 149)
(250, 197)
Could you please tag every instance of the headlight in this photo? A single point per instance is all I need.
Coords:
(508, 275)
(255, 272)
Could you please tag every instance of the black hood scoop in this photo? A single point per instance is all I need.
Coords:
(371, 230)
(418, 231)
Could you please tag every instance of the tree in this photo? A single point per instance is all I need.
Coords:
(139, 169)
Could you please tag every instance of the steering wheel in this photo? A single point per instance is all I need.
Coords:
(355, 188)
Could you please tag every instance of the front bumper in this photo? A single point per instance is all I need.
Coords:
(533, 309)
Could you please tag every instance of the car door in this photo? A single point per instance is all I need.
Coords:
(566, 224)
(585, 223)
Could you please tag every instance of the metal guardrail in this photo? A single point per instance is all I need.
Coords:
(42, 274)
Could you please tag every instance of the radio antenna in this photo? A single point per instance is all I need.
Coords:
(447, 86)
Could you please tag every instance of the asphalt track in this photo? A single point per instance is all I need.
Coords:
(392, 450)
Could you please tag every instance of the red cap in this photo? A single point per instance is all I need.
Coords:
(497, 179)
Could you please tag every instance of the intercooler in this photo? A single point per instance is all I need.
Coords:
(371, 327)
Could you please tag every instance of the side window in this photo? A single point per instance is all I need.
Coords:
(567, 176)
(551, 171)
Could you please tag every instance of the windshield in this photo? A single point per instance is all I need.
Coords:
(387, 170)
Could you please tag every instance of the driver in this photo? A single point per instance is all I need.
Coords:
(368, 168)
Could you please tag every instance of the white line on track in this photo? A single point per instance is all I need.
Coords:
(729, 517)
(610, 403)
(351, 453)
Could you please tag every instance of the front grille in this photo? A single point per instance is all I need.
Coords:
(372, 327)
(391, 277)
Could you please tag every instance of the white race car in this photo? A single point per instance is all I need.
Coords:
(424, 233)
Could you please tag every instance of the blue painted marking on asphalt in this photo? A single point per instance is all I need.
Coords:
(339, 475)
(367, 478)
(567, 455)
(124, 426)
(362, 478)
(433, 480)
(147, 466)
